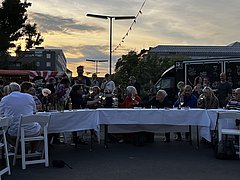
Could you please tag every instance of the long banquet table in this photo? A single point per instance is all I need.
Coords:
(176, 117)
(86, 119)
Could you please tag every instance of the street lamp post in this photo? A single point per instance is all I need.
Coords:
(97, 61)
(110, 31)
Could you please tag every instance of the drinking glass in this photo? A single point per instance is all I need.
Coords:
(90, 90)
(133, 98)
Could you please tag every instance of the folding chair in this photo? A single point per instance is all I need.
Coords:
(5, 122)
(226, 116)
(43, 120)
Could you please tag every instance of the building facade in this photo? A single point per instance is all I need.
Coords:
(39, 59)
(195, 52)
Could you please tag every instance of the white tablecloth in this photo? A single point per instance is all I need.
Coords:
(133, 120)
(154, 116)
(229, 123)
(69, 121)
(138, 118)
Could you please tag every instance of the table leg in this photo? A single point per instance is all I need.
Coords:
(91, 141)
(197, 138)
(106, 136)
(190, 134)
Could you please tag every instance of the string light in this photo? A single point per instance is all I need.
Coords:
(130, 28)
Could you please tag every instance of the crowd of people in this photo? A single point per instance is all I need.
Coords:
(83, 92)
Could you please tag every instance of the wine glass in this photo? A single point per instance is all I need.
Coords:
(181, 102)
(133, 98)
(103, 97)
(91, 90)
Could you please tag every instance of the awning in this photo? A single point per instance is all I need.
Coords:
(14, 72)
(45, 74)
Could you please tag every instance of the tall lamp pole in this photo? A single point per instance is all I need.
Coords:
(110, 31)
(97, 61)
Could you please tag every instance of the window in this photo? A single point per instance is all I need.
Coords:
(38, 53)
(165, 83)
(37, 64)
(48, 64)
(48, 56)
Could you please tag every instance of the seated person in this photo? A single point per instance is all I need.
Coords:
(132, 99)
(76, 95)
(161, 101)
(27, 87)
(234, 102)
(17, 104)
(208, 100)
(94, 101)
(118, 93)
(189, 100)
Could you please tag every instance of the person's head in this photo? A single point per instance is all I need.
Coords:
(205, 81)
(51, 80)
(96, 90)
(180, 85)
(13, 86)
(207, 92)
(65, 81)
(107, 76)
(80, 70)
(1, 83)
(161, 95)
(94, 76)
(132, 79)
(197, 80)
(187, 90)
(131, 91)
(117, 91)
(223, 77)
(6, 90)
(237, 94)
(27, 87)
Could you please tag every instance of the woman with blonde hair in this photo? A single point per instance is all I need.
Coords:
(207, 99)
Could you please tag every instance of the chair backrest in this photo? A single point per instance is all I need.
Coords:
(43, 120)
(225, 117)
(229, 115)
(5, 122)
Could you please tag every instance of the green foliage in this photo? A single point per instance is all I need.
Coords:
(14, 24)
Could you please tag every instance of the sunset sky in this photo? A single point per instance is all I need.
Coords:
(64, 25)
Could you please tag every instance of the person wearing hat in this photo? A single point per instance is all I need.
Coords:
(133, 82)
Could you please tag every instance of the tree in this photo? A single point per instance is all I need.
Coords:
(14, 24)
(144, 69)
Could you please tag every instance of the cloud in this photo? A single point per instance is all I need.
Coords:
(48, 23)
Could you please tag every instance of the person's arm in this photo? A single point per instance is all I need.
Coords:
(93, 102)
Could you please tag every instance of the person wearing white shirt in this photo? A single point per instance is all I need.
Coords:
(108, 87)
(16, 104)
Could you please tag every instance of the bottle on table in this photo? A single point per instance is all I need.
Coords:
(69, 104)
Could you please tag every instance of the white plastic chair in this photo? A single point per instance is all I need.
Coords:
(43, 120)
(5, 122)
(226, 116)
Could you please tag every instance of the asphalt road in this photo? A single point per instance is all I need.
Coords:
(157, 161)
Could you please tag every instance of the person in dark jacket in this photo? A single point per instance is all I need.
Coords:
(161, 101)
